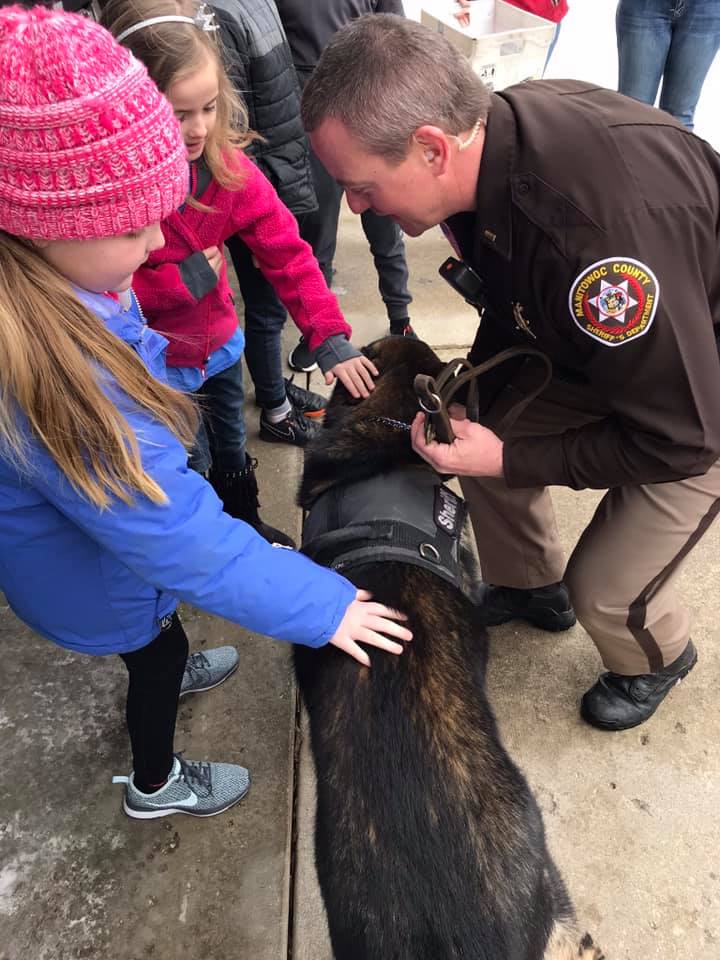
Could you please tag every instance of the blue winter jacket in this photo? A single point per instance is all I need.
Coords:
(99, 581)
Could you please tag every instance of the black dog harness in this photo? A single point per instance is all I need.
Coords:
(407, 515)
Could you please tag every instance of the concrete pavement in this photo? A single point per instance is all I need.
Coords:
(631, 817)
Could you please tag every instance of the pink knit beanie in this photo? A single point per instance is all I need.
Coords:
(88, 145)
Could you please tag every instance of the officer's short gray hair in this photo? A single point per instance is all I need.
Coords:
(384, 76)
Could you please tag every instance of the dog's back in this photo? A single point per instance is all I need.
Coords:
(429, 844)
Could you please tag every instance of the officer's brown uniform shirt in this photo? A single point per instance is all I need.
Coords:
(597, 235)
(598, 221)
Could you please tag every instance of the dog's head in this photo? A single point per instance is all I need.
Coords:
(353, 443)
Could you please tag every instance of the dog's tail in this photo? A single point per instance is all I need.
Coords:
(565, 943)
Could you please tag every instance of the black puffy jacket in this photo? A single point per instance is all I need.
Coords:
(309, 24)
(260, 66)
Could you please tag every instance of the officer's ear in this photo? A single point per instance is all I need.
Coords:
(434, 146)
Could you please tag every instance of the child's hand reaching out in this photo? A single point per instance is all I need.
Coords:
(373, 623)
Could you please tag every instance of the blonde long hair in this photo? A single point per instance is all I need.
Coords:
(54, 353)
(174, 51)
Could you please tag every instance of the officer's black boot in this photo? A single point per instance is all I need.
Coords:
(546, 607)
(618, 703)
(238, 491)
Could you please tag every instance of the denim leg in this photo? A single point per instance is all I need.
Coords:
(695, 42)
(644, 32)
(199, 458)
(553, 44)
(222, 399)
(319, 228)
(264, 319)
(388, 251)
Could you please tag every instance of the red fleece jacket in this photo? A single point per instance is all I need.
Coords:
(197, 327)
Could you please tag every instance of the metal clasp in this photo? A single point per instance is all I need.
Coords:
(429, 552)
(435, 399)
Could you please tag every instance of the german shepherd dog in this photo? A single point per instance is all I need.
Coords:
(429, 844)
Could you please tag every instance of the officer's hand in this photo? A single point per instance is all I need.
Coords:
(463, 15)
(475, 451)
(366, 622)
(356, 374)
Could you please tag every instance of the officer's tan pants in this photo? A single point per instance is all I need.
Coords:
(622, 571)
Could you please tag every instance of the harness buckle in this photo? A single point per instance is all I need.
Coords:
(429, 551)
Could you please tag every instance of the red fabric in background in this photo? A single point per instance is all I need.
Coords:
(547, 9)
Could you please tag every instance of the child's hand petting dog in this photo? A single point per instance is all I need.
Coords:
(356, 375)
(366, 622)
(475, 451)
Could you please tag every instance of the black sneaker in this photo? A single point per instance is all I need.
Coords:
(306, 402)
(302, 358)
(402, 328)
(295, 429)
(548, 608)
(616, 702)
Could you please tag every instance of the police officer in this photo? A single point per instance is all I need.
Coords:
(591, 222)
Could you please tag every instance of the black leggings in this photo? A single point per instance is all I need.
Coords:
(156, 673)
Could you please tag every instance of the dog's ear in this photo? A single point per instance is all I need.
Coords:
(398, 360)
(372, 350)
(393, 351)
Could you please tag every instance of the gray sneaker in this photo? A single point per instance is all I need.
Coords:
(203, 671)
(198, 788)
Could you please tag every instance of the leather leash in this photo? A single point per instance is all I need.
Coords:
(435, 394)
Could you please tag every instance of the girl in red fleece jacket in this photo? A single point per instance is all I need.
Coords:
(183, 287)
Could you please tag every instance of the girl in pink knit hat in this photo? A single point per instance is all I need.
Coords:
(183, 288)
(103, 527)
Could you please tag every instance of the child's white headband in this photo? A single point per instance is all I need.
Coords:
(204, 19)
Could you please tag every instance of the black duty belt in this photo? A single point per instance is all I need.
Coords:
(407, 515)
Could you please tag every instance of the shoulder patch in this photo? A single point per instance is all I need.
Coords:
(614, 300)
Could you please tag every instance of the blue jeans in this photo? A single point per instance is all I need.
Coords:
(553, 44)
(220, 441)
(264, 319)
(672, 40)
(383, 235)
